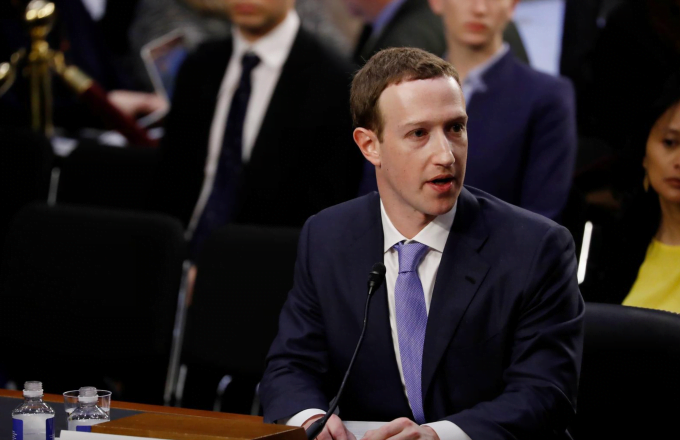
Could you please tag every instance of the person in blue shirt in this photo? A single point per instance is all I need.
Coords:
(522, 129)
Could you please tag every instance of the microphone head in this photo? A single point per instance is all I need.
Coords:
(376, 277)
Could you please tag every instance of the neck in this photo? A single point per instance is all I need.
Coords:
(251, 35)
(465, 58)
(669, 227)
(408, 222)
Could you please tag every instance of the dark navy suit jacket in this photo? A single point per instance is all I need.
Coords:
(504, 335)
(522, 137)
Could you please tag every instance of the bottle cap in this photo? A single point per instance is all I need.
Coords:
(87, 394)
(33, 388)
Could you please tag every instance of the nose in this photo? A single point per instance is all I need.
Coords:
(443, 150)
(479, 6)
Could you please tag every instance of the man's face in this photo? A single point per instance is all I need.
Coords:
(421, 158)
(475, 23)
(257, 17)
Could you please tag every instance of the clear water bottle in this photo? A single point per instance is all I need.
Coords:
(33, 419)
(87, 413)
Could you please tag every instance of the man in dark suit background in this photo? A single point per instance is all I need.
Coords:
(522, 122)
(477, 330)
(407, 23)
(258, 131)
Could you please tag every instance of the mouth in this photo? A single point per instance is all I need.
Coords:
(674, 182)
(475, 27)
(245, 8)
(442, 183)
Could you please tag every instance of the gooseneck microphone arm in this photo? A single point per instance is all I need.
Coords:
(375, 279)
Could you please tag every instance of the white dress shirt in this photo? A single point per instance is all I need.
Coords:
(434, 235)
(273, 50)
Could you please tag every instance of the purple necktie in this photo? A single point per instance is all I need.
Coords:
(411, 322)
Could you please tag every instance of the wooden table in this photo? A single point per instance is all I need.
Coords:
(10, 399)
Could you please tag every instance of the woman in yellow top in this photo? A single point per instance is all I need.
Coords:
(644, 250)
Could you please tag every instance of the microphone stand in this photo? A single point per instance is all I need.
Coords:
(375, 279)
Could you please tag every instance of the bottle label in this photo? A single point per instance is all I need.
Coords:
(17, 429)
(84, 424)
(49, 428)
(35, 431)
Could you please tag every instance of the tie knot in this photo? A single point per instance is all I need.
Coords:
(410, 255)
(249, 62)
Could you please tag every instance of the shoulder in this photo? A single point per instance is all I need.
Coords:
(544, 85)
(515, 229)
(209, 58)
(211, 51)
(309, 51)
(414, 25)
(346, 220)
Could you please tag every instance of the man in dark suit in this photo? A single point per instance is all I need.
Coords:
(477, 330)
(522, 122)
(408, 23)
(258, 131)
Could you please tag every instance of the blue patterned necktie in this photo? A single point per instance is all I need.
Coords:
(219, 208)
(411, 322)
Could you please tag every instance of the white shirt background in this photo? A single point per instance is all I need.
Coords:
(273, 50)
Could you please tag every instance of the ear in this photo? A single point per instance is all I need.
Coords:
(368, 143)
(436, 6)
(644, 162)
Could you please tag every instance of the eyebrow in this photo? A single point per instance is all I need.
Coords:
(415, 123)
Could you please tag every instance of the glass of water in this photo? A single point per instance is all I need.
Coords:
(103, 401)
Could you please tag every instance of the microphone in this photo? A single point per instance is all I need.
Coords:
(375, 280)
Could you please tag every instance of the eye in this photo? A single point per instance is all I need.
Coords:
(668, 142)
(419, 132)
(457, 127)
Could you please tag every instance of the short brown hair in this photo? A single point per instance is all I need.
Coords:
(386, 68)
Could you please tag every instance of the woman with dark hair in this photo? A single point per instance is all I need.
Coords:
(637, 262)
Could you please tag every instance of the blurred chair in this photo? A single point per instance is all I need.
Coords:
(105, 176)
(89, 298)
(630, 378)
(25, 162)
(244, 275)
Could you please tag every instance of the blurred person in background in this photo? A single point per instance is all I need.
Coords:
(90, 40)
(406, 23)
(258, 130)
(636, 261)
(206, 20)
(522, 122)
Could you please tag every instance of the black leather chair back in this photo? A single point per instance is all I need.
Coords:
(630, 379)
(244, 275)
(88, 297)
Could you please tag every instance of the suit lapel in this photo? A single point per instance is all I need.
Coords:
(288, 94)
(378, 348)
(461, 273)
(497, 78)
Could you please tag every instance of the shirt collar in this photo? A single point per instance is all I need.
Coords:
(434, 235)
(274, 48)
(386, 15)
(475, 78)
